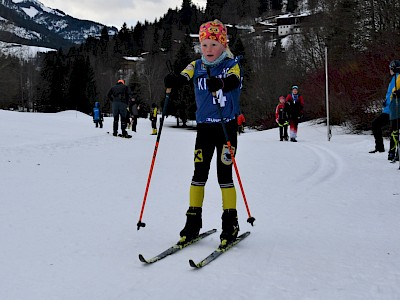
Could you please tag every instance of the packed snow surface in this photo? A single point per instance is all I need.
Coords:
(327, 214)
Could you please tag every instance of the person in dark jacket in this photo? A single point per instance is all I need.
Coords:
(384, 119)
(120, 94)
(294, 106)
(134, 112)
(97, 115)
(281, 119)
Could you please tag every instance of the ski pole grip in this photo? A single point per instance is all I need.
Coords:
(209, 76)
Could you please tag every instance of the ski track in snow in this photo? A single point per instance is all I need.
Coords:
(326, 167)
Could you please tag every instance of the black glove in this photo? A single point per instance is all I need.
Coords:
(396, 94)
(214, 84)
(170, 80)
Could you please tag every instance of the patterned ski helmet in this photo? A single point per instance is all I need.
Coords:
(395, 66)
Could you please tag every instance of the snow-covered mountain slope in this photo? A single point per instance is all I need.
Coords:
(30, 22)
(23, 52)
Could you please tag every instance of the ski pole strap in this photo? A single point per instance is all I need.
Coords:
(395, 134)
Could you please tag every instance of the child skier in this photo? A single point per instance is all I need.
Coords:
(282, 119)
(294, 106)
(216, 78)
(153, 118)
(97, 115)
(241, 122)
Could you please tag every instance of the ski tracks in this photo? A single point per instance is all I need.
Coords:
(327, 165)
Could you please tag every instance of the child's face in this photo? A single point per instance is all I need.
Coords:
(282, 100)
(294, 91)
(211, 49)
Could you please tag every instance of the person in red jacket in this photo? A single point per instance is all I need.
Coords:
(282, 119)
(294, 106)
(241, 122)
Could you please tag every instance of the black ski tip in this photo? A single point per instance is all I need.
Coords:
(142, 259)
(251, 220)
(193, 264)
(140, 224)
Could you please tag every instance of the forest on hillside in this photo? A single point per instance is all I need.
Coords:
(361, 38)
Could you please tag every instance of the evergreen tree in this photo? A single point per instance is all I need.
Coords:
(292, 5)
(214, 9)
(166, 41)
(10, 68)
(136, 87)
(183, 106)
(185, 14)
(137, 35)
(155, 47)
(52, 91)
(264, 6)
(82, 89)
(104, 37)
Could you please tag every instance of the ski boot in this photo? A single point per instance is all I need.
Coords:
(192, 226)
(391, 155)
(125, 135)
(377, 150)
(396, 157)
(230, 227)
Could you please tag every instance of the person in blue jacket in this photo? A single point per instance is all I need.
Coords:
(97, 115)
(217, 83)
(394, 106)
(384, 119)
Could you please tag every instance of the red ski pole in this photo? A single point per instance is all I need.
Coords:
(250, 219)
(164, 112)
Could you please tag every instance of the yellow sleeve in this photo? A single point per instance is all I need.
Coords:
(235, 70)
(397, 84)
(188, 72)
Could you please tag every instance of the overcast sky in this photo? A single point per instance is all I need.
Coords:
(116, 12)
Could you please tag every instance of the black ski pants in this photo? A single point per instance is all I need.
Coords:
(377, 124)
(119, 110)
(210, 136)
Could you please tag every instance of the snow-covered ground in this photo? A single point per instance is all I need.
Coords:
(327, 215)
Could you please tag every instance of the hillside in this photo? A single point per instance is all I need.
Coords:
(29, 22)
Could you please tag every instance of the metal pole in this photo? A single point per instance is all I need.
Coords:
(329, 133)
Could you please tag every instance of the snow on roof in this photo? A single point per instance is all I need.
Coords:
(133, 58)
